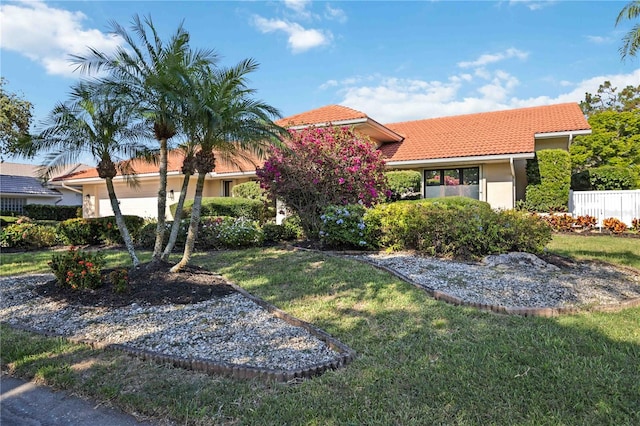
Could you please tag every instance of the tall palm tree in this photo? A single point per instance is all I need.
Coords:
(153, 74)
(631, 40)
(95, 121)
(225, 120)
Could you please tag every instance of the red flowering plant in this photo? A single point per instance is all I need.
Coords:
(324, 166)
(77, 269)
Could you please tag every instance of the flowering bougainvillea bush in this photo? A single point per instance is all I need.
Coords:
(322, 167)
(344, 227)
(77, 269)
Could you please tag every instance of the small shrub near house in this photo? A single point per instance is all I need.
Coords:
(228, 232)
(454, 227)
(225, 206)
(274, 233)
(77, 269)
(28, 236)
(603, 178)
(250, 190)
(344, 227)
(51, 212)
(101, 230)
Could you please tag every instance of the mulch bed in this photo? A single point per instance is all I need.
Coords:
(150, 284)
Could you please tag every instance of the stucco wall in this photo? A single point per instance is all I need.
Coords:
(552, 143)
(499, 185)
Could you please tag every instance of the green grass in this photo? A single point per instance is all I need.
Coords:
(35, 262)
(419, 361)
(618, 250)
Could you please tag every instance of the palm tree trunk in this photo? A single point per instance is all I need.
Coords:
(162, 201)
(176, 220)
(120, 222)
(193, 225)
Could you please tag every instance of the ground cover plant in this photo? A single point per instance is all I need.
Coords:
(417, 358)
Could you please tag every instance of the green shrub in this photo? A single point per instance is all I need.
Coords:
(250, 190)
(120, 281)
(146, 237)
(274, 233)
(292, 228)
(228, 232)
(28, 236)
(604, 178)
(225, 206)
(50, 212)
(549, 177)
(6, 220)
(98, 230)
(459, 228)
(77, 269)
(404, 184)
(344, 227)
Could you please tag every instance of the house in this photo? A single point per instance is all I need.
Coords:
(20, 185)
(482, 155)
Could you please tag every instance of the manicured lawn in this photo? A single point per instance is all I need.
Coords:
(620, 250)
(419, 361)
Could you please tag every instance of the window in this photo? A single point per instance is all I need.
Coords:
(451, 182)
(15, 205)
(226, 188)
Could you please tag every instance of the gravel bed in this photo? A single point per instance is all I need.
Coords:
(517, 280)
(231, 329)
(234, 329)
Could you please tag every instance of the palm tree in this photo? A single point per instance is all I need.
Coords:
(631, 40)
(225, 121)
(95, 121)
(154, 75)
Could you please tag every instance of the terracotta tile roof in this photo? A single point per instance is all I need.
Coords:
(174, 164)
(326, 114)
(489, 133)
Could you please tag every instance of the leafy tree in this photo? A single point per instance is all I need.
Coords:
(607, 98)
(614, 141)
(324, 166)
(94, 121)
(153, 74)
(224, 119)
(15, 118)
(631, 40)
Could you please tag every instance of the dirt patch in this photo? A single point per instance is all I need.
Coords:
(150, 284)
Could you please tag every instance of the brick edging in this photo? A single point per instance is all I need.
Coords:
(510, 310)
(236, 371)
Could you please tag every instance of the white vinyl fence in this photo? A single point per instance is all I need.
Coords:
(623, 205)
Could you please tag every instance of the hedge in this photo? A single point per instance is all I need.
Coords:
(549, 177)
(101, 230)
(52, 212)
(225, 206)
(250, 190)
(445, 227)
(604, 178)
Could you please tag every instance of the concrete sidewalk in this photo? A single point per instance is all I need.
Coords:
(25, 404)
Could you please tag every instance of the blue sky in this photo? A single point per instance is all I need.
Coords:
(395, 61)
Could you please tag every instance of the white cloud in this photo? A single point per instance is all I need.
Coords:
(335, 14)
(490, 58)
(300, 39)
(297, 5)
(598, 39)
(532, 4)
(48, 36)
(389, 99)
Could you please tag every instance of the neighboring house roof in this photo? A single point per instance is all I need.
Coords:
(489, 133)
(174, 165)
(19, 169)
(25, 185)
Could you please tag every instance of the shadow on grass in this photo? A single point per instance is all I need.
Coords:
(419, 361)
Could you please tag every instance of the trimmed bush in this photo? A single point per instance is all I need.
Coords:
(228, 232)
(404, 184)
(274, 233)
(250, 190)
(98, 230)
(604, 178)
(460, 228)
(50, 212)
(549, 177)
(77, 269)
(344, 227)
(28, 236)
(225, 206)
